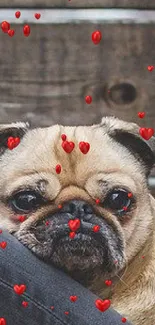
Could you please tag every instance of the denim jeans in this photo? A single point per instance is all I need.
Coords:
(47, 293)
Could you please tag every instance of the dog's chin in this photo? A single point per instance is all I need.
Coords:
(79, 254)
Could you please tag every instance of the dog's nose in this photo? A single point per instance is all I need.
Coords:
(78, 208)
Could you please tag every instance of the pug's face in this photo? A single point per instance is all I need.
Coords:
(91, 217)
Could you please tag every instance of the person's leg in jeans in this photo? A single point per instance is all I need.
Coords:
(45, 287)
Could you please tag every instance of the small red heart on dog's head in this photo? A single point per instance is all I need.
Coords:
(74, 224)
(13, 142)
(2, 321)
(68, 146)
(146, 133)
(84, 147)
(19, 289)
(3, 244)
(73, 298)
(102, 305)
(141, 114)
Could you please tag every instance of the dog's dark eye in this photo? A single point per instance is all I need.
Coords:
(26, 201)
(118, 201)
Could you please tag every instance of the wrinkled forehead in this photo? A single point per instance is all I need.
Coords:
(41, 150)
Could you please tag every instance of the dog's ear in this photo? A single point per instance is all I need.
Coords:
(128, 134)
(15, 130)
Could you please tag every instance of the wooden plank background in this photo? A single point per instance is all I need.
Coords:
(45, 77)
(79, 3)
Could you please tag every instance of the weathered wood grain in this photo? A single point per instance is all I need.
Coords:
(79, 3)
(46, 76)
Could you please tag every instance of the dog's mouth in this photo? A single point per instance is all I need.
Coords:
(80, 256)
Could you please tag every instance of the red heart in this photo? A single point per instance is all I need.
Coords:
(146, 133)
(72, 234)
(37, 16)
(141, 114)
(13, 142)
(73, 298)
(3, 244)
(108, 283)
(68, 146)
(2, 321)
(96, 228)
(74, 224)
(11, 32)
(102, 305)
(5, 26)
(19, 289)
(25, 304)
(21, 218)
(84, 147)
(96, 37)
(66, 312)
(17, 14)
(58, 169)
(150, 67)
(124, 320)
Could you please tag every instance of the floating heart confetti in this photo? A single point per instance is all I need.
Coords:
(141, 114)
(22, 218)
(97, 201)
(11, 32)
(84, 147)
(130, 194)
(2, 321)
(66, 312)
(124, 320)
(68, 146)
(108, 283)
(25, 304)
(74, 224)
(96, 228)
(63, 137)
(47, 223)
(96, 37)
(59, 206)
(102, 305)
(146, 133)
(13, 142)
(58, 169)
(73, 298)
(72, 234)
(88, 99)
(1, 231)
(150, 68)
(143, 256)
(37, 16)
(125, 208)
(19, 289)
(5, 26)
(17, 14)
(26, 30)
(52, 307)
(3, 244)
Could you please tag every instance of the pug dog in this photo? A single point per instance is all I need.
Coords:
(78, 198)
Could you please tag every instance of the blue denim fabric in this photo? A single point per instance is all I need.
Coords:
(45, 287)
